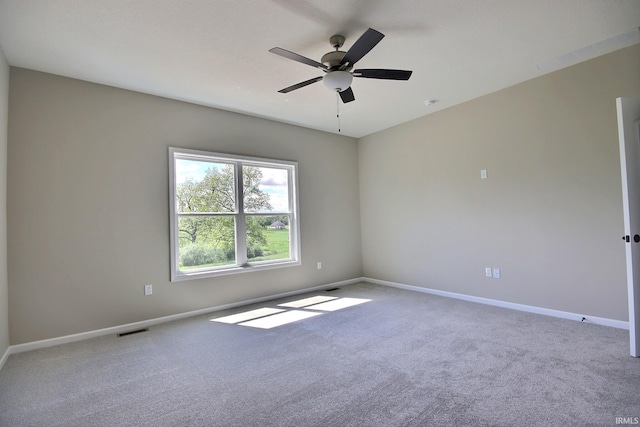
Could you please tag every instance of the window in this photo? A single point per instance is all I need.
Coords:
(231, 214)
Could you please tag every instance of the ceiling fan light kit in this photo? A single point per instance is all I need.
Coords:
(338, 81)
(338, 65)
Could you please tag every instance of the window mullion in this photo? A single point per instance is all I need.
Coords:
(293, 218)
(241, 222)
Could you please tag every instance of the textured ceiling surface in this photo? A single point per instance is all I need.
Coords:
(216, 52)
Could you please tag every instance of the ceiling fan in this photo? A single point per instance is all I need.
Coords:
(338, 65)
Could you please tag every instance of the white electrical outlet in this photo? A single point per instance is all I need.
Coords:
(483, 174)
(319, 265)
(487, 272)
(496, 273)
(148, 289)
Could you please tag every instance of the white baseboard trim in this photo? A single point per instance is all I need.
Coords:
(4, 357)
(35, 345)
(504, 304)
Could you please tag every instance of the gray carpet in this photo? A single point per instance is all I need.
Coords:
(402, 359)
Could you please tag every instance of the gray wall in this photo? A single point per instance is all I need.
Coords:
(4, 291)
(549, 214)
(88, 218)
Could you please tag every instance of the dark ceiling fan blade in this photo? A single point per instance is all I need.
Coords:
(362, 46)
(298, 58)
(347, 95)
(299, 85)
(374, 73)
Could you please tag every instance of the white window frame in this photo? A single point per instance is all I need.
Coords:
(242, 265)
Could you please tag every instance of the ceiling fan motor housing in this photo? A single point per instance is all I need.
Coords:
(333, 59)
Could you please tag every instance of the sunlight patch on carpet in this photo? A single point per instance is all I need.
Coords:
(307, 301)
(279, 319)
(248, 315)
(268, 317)
(338, 304)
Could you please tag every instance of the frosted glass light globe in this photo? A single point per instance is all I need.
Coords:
(338, 81)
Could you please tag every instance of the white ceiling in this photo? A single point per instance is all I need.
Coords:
(215, 52)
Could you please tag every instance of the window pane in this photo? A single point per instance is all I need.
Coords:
(265, 189)
(206, 241)
(267, 237)
(204, 186)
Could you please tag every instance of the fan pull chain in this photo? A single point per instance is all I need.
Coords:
(338, 110)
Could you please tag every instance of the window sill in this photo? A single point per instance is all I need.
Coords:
(206, 273)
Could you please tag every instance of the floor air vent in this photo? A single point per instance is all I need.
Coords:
(137, 331)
